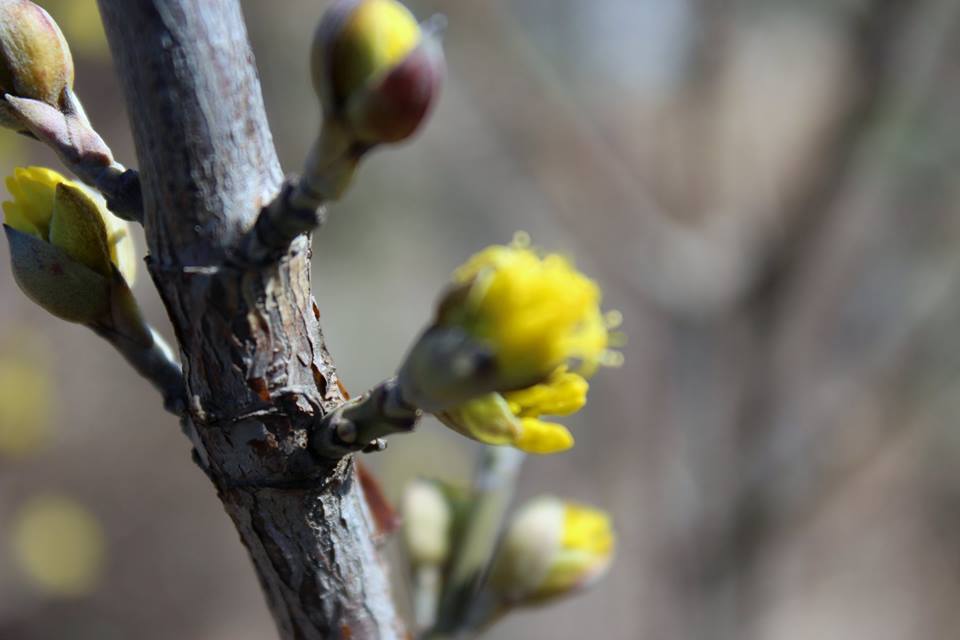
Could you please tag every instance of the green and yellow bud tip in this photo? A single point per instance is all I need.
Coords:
(375, 69)
(66, 248)
(551, 548)
(35, 60)
(427, 522)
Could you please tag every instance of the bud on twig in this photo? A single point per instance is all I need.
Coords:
(376, 71)
(35, 61)
(69, 254)
(427, 523)
(551, 548)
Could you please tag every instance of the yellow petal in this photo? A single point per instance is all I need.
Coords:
(13, 216)
(562, 394)
(537, 436)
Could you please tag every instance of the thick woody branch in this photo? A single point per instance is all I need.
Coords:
(257, 371)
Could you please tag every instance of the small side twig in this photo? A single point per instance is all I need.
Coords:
(300, 207)
(359, 424)
(493, 488)
(155, 363)
(70, 134)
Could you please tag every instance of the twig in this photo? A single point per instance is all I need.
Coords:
(359, 424)
(493, 488)
(427, 587)
(155, 363)
(300, 207)
(70, 134)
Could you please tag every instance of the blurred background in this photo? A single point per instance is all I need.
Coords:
(767, 189)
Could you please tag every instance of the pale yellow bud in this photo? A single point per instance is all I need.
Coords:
(427, 520)
(552, 548)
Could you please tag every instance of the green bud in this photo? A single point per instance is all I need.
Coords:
(35, 60)
(77, 227)
(376, 71)
(50, 277)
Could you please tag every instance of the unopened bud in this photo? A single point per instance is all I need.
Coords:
(35, 60)
(376, 71)
(427, 522)
(68, 253)
(551, 548)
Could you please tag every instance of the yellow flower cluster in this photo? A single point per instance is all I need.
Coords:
(551, 548)
(536, 313)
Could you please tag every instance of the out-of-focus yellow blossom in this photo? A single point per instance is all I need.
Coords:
(25, 392)
(513, 418)
(58, 545)
(536, 312)
(552, 548)
(66, 214)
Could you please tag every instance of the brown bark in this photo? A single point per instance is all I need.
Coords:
(258, 375)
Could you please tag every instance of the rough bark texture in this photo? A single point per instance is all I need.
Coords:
(258, 374)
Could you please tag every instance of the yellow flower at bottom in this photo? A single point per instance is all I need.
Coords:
(536, 312)
(551, 548)
(512, 418)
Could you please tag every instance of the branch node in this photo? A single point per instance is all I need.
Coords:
(361, 424)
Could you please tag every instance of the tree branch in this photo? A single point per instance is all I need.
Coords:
(258, 374)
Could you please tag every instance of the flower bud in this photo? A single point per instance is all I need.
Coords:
(427, 523)
(376, 71)
(69, 254)
(35, 61)
(551, 548)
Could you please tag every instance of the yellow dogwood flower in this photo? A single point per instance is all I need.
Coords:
(513, 418)
(535, 312)
(551, 548)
